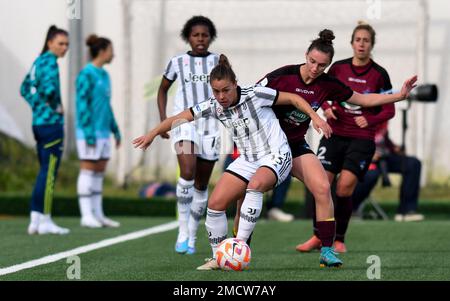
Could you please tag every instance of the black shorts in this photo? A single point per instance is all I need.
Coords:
(353, 154)
(300, 148)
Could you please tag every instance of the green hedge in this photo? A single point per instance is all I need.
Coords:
(68, 206)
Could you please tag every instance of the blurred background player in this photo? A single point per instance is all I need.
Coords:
(196, 143)
(94, 123)
(390, 158)
(349, 151)
(41, 89)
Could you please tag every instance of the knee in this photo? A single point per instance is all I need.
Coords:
(344, 190)
(257, 184)
(215, 204)
(413, 165)
(417, 165)
(321, 189)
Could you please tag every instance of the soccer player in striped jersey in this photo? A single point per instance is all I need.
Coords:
(41, 89)
(197, 144)
(94, 124)
(351, 148)
(265, 159)
(309, 81)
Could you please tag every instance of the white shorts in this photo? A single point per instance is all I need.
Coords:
(101, 150)
(280, 163)
(207, 146)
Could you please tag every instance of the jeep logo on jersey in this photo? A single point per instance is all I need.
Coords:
(195, 78)
(240, 123)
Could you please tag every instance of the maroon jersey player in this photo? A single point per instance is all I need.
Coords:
(349, 151)
(309, 81)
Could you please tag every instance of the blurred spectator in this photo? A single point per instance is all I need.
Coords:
(390, 158)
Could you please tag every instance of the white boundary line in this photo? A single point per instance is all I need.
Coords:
(87, 248)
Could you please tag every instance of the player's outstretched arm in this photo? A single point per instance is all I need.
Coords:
(143, 142)
(373, 99)
(301, 104)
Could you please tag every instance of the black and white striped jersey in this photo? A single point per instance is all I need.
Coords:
(192, 73)
(251, 122)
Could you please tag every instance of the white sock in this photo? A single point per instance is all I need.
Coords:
(44, 219)
(97, 195)
(250, 211)
(84, 189)
(35, 217)
(198, 208)
(217, 227)
(185, 192)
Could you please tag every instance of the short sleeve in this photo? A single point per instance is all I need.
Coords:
(339, 91)
(170, 72)
(203, 109)
(267, 96)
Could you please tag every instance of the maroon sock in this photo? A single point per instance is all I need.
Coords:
(326, 231)
(343, 213)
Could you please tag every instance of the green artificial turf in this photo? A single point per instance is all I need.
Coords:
(407, 251)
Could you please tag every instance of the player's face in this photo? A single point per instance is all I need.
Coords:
(316, 63)
(199, 39)
(362, 44)
(59, 45)
(225, 92)
(108, 54)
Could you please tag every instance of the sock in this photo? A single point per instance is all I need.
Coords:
(343, 213)
(35, 217)
(250, 211)
(84, 190)
(198, 208)
(217, 227)
(97, 195)
(326, 231)
(185, 192)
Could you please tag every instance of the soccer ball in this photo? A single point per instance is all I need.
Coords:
(233, 254)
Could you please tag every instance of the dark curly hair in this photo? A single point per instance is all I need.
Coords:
(198, 20)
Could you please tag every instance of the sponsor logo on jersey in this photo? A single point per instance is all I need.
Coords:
(309, 92)
(296, 117)
(239, 123)
(195, 78)
(357, 80)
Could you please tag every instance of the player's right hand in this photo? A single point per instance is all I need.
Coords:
(143, 142)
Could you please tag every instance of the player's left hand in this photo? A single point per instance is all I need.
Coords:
(408, 85)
